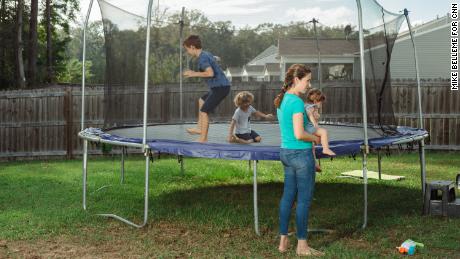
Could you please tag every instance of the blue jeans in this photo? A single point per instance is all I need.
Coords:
(299, 179)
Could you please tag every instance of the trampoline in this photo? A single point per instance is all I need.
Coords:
(173, 139)
(127, 42)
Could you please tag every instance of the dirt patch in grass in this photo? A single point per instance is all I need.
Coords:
(64, 247)
(160, 239)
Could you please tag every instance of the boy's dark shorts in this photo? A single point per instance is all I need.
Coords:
(213, 98)
(248, 136)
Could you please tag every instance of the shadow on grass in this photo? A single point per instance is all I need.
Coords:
(40, 205)
(335, 205)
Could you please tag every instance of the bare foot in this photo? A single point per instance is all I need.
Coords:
(202, 140)
(315, 252)
(302, 248)
(193, 131)
(234, 139)
(303, 252)
(328, 152)
(309, 252)
(318, 168)
(284, 244)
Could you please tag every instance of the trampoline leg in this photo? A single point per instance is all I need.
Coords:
(122, 165)
(365, 188)
(85, 163)
(421, 150)
(379, 157)
(181, 161)
(256, 209)
(146, 201)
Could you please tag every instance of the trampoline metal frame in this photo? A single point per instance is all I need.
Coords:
(363, 91)
(419, 98)
(86, 138)
(146, 149)
(365, 150)
(252, 165)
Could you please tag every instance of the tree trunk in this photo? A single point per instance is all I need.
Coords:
(33, 43)
(21, 80)
(2, 41)
(49, 46)
(2, 12)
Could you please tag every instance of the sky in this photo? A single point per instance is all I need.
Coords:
(253, 12)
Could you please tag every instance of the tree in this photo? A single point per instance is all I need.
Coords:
(2, 42)
(20, 77)
(95, 51)
(33, 43)
(41, 43)
(8, 39)
(54, 33)
(49, 44)
(73, 71)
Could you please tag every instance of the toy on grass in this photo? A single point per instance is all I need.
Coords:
(408, 247)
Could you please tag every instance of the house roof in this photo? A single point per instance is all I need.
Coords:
(417, 30)
(307, 47)
(270, 51)
(433, 24)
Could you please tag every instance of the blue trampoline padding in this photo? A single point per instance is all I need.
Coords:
(256, 151)
(404, 133)
(216, 150)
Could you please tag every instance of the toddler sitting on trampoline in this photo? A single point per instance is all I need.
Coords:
(240, 127)
(312, 105)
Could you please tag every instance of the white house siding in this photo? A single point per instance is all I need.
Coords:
(313, 61)
(433, 52)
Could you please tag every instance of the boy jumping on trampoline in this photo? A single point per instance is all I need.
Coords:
(315, 98)
(240, 127)
(218, 84)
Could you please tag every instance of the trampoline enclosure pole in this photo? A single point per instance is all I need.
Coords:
(379, 163)
(364, 107)
(146, 192)
(181, 24)
(85, 142)
(420, 112)
(85, 163)
(122, 180)
(146, 93)
(83, 77)
(146, 75)
(256, 209)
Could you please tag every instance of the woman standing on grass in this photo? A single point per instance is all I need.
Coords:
(297, 157)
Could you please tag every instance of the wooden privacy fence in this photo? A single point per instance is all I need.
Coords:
(45, 122)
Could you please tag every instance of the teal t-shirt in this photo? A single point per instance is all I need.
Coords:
(291, 105)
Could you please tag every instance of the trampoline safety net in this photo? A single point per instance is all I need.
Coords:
(380, 29)
(125, 41)
(125, 48)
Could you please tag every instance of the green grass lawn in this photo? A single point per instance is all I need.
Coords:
(208, 212)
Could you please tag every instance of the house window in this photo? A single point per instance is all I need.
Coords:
(337, 71)
(330, 71)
